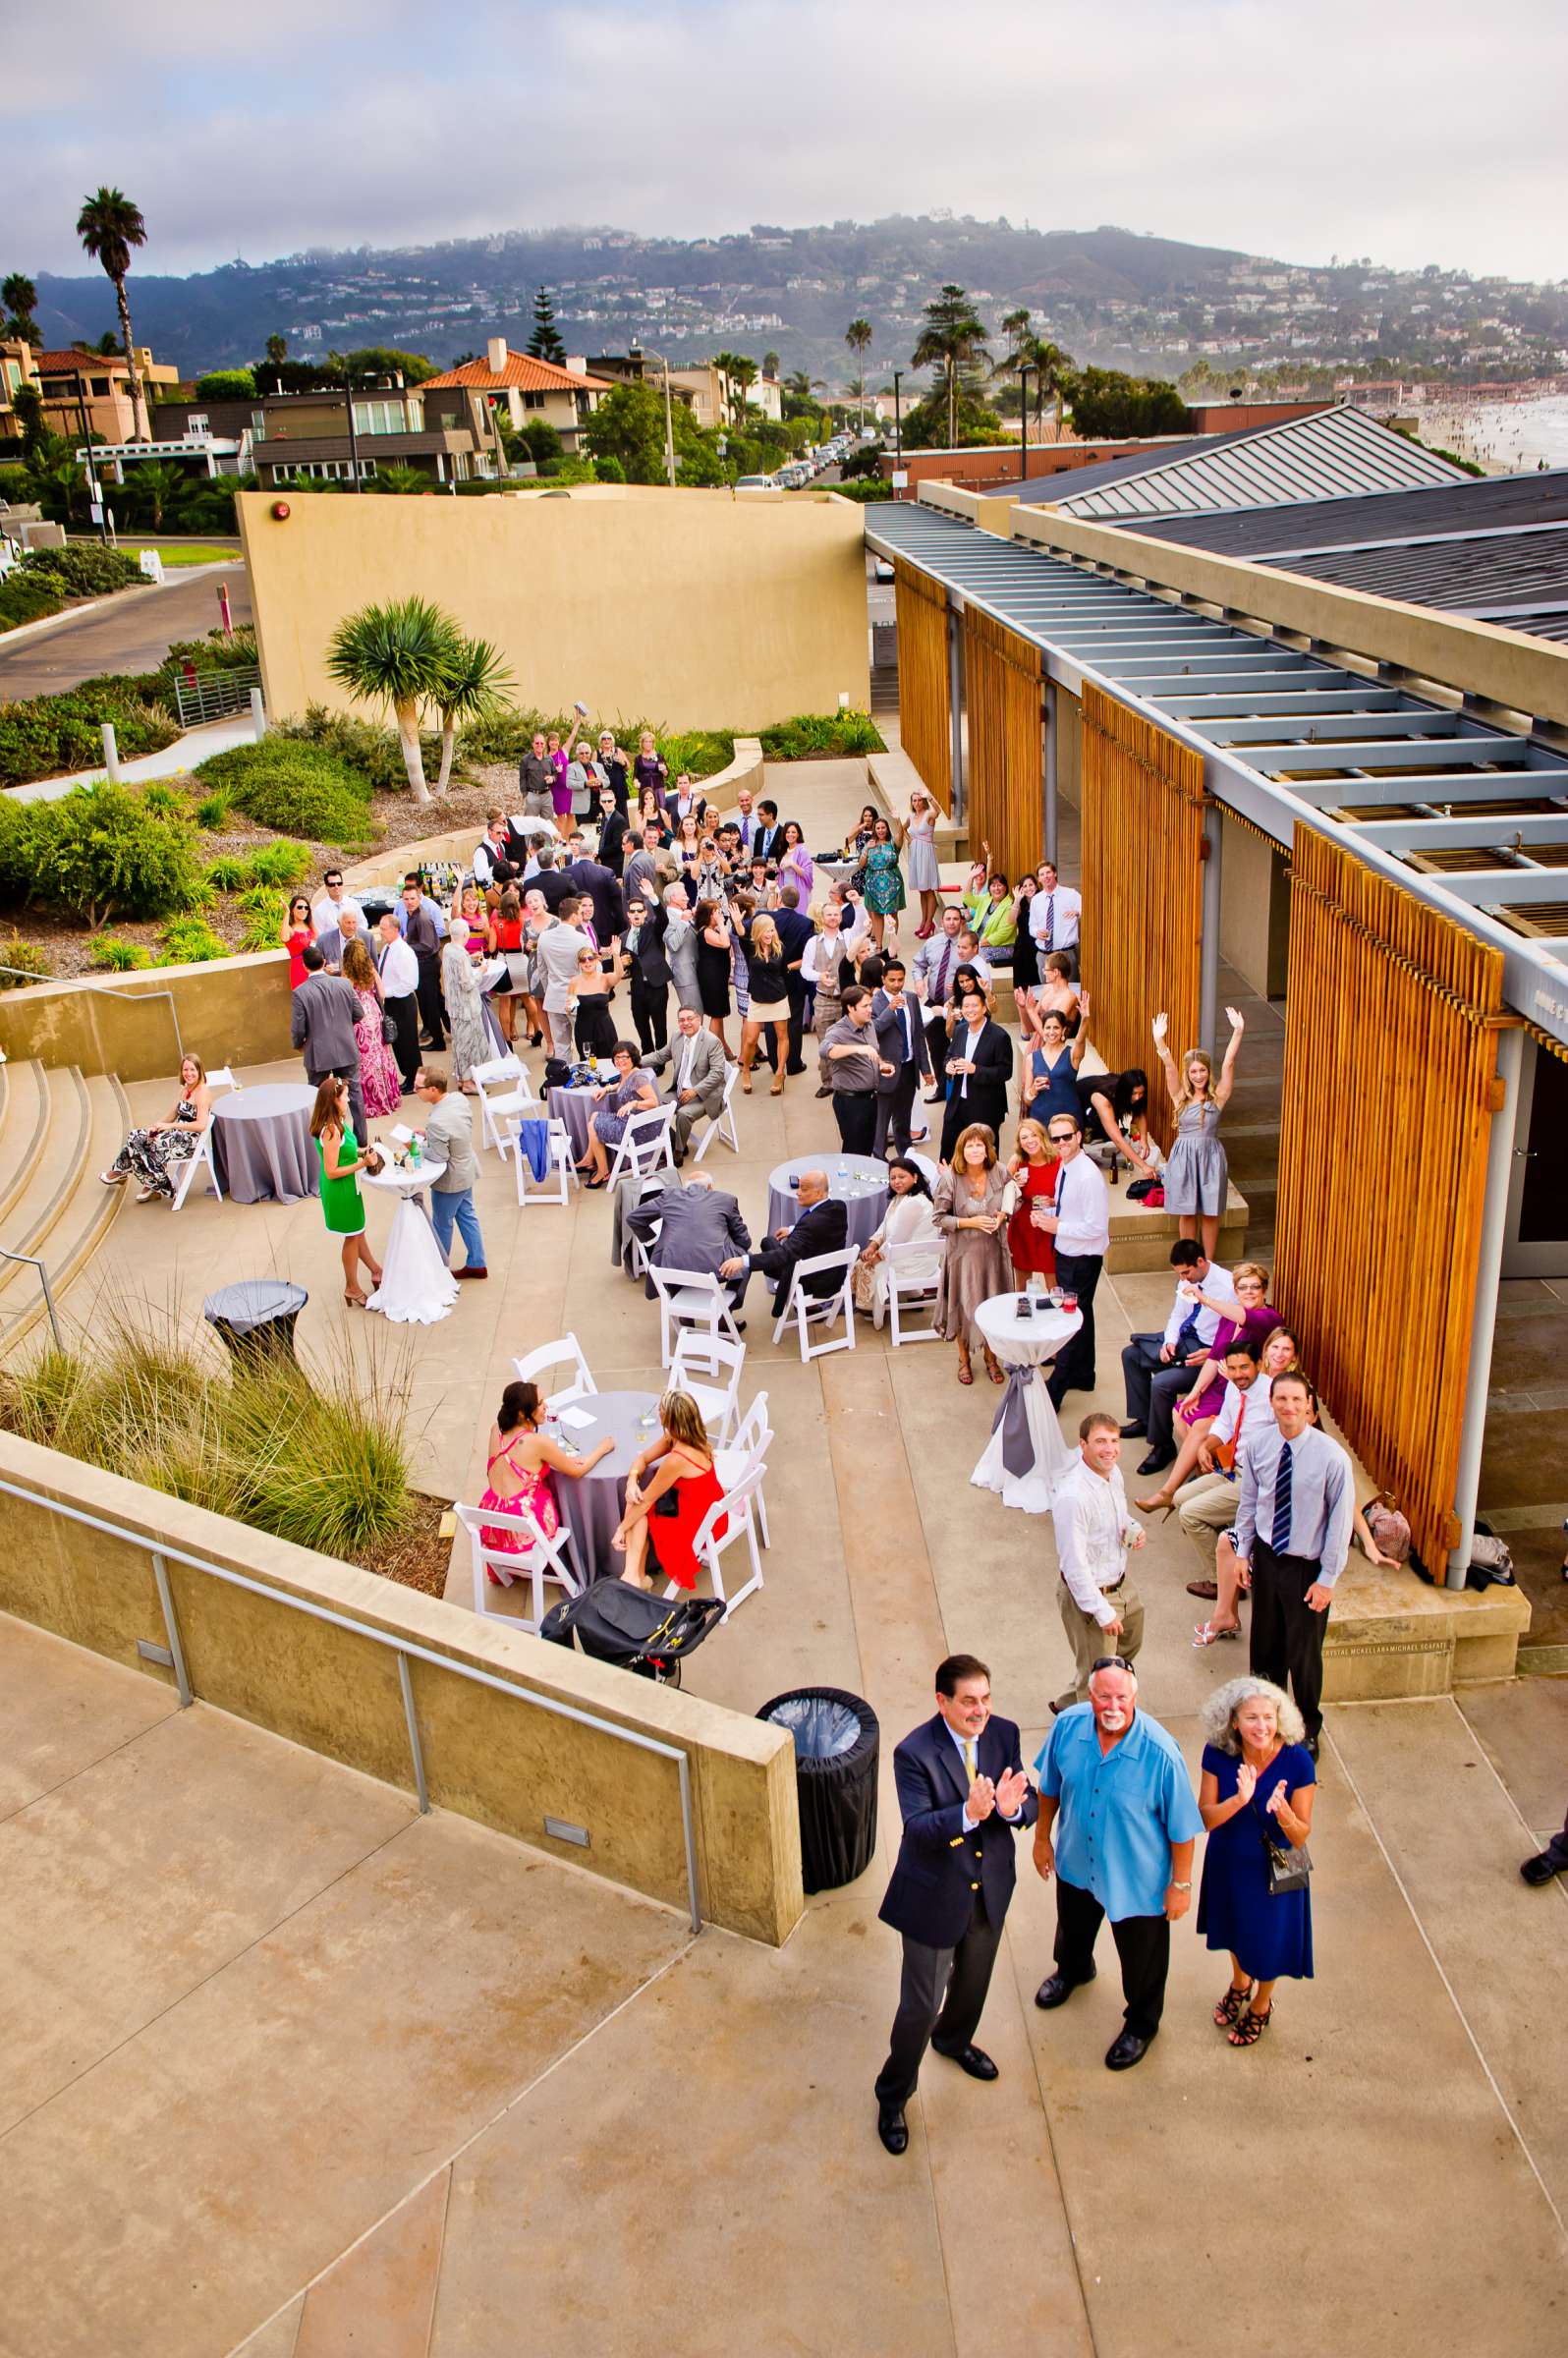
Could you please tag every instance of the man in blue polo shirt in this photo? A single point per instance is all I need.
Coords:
(1114, 1789)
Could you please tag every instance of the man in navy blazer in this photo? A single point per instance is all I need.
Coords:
(963, 1797)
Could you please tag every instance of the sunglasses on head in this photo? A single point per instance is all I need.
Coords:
(1110, 1661)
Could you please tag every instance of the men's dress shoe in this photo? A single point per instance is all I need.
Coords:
(1124, 2051)
(972, 2059)
(1156, 1461)
(1055, 1992)
(1132, 1429)
(1539, 1870)
(1202, 1588)
(795, 1068)
(472, 1268)
(893, 2129)
(1312, 1746)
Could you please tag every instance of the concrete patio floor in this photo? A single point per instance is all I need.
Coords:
(285, 2062)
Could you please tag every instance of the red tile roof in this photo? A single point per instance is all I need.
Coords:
(522, 370)
(56, 364)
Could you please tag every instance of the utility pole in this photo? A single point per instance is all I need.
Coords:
(669, 427)
(1023, 372)
(94, 487)
(898, 424)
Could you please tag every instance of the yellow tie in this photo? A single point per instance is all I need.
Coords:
(969, 1758)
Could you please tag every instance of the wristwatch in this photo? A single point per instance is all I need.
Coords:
(1181, 1887)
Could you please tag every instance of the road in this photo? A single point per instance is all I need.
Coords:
(131, 633)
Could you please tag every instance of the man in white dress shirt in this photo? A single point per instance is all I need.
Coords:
(1293, 1516)
(1053, 914)
(399, 971)
(1102, 1611)
(330, 901)
(1080, 1222)
(1158, 1369)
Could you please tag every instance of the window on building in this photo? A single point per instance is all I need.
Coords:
(533, 400)
(393, 417)
(100, 386)
(196, 422)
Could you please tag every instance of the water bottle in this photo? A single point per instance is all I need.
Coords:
(415, 1156)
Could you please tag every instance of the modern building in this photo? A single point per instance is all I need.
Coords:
(306, 435)
(520, 388)
(93, 389)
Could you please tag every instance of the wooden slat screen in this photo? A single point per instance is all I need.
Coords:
(1390, 1045)
(924, 707)
(1002, 688)
(1142, 837)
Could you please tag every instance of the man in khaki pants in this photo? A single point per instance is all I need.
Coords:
(1102, 1611)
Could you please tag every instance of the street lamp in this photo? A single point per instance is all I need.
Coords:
(669, 416)
(898, 424)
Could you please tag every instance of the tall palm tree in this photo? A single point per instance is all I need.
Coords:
(1053, 368)
(857, 336)
(20, 296)
(953, 343)
(110, 225)
(472, 689)
(402, 655)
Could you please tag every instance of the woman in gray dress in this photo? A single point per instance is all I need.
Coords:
(1197, 1174)
(970, 1203)
(465, 1005)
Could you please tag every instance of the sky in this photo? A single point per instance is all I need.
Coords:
(1412, 131)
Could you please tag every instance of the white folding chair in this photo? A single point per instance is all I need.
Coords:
(748, 1451)
(640, 1251)
(562, 1162)
(555, 1355)
(718, 1404)
(910, 1289)
(806, 1310)
(735, 1511)
(723, 1123)
(692, 1300)
(643, 1146)
(544, 1562)
(201, 1153)
(223, 1078)
(504, 1088)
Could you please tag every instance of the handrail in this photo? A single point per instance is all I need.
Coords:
(84, 983)
(32, 1261)
(407, 1650)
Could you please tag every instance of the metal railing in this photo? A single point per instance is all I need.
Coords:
(212, 693)
(107, 990)
(34, 1263)
(406, 1649)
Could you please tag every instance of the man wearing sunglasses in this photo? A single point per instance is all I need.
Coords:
(1080, 1221)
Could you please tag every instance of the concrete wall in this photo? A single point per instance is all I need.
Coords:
(487, 1756)
(688, 608)
(1253, 908)
(232, 1011)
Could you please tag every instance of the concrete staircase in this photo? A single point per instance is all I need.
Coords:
(58, 1130)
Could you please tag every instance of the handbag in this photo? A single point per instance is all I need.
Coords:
(389, 1030)
(1146, 1191)
(1289, 1869)
(1389, 1530)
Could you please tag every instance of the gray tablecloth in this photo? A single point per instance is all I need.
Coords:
(261, 1144)
(862, 1188)
(591, 1507)
(573, 1106)
(254, 1302)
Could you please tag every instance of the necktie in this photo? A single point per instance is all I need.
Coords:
(1049, 935)
(939, 978)
(1279, 1539)
(969, 1758)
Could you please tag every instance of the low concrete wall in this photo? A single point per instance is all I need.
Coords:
(746, 769)
(487, 1756)
(232, 1011)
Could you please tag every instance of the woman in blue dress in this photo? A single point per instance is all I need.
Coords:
(1050, 1070)
(1257, 1788)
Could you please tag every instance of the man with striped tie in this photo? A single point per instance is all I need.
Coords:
(963, 1797)
(1296, 1486)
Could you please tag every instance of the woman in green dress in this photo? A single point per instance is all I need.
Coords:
(341, 1164)
(884, 881)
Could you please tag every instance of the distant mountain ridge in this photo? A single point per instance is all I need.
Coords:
(1112, 295)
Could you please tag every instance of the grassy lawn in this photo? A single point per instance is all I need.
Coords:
(197, 555)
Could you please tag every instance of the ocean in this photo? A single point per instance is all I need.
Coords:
(1505, 436)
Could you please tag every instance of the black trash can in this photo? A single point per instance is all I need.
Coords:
(256, 1317)
(837, 1742)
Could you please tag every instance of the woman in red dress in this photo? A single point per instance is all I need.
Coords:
(669, 1490)
(1033, 1170)
(295, 932)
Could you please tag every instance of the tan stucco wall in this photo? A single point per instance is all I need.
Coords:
(232, 1011)
(1253, 909)
(486, 1754)
(690, 609)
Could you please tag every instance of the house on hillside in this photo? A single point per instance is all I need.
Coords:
(520, 388)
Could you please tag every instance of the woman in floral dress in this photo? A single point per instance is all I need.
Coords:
(379, 1078)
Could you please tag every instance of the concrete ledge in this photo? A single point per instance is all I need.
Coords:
(744, 770)
(1390, 1636)
(893, 779)
(231, 1011)
(1141, 1238)
(486, 1754)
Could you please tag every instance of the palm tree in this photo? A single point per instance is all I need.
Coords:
(110, 225)
(400, 478)
(400, 654)
(857, 336)
(953, 343)
(470, 689)
(277, 349)
(1053, 368)
(742, 375)
(159, 483)
(20, 296)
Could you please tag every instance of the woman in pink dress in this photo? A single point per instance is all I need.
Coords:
(379, 1078)
(521, 1463)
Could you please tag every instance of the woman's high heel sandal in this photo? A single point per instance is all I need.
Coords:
(1249, 2028)
(1158, 1503)
(1229, 2008)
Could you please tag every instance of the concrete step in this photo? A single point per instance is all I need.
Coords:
(23, 1119)
(66, 1210)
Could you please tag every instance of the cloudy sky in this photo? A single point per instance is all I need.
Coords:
(1412, 131)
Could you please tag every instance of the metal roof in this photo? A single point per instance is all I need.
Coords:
(1467, 817)
(1328, 455)
(1493, 576)
(1488, 503)
(1069, 482)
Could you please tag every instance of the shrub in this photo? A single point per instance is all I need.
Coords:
(82, 570)
(164, 801)
(364, 745)
(22, 601)
(701, 751)
(190, 941)
(817, 736)
(118, 957)
(264, 912)
(229, 873)
(46, 736)
(280, 863)
(865, 488)
(299, 789)
(98, 852)
(213, 813)
(23, 958)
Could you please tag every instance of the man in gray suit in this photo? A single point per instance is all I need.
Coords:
(680, 947)
(449, 1138)
(699, 1227)
(332, 943)
(321, 1022)
(696, 1076)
